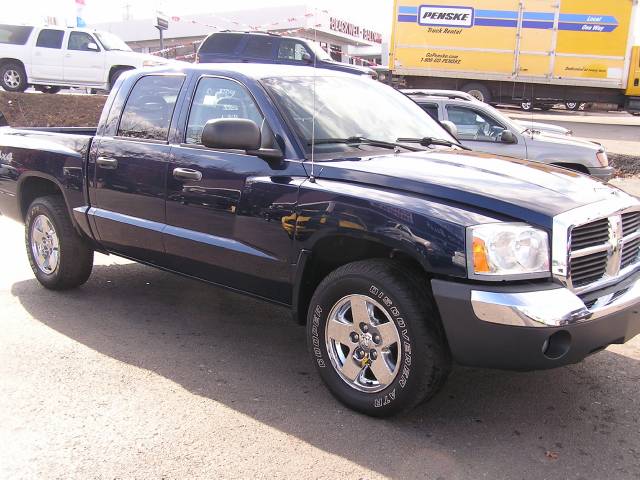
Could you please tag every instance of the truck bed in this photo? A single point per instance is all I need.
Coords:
(61, 154)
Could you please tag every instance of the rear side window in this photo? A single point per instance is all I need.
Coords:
(259, 47)
(221, 43)
(50, 38)
(431, 109)
(149, 108)
(14, 34)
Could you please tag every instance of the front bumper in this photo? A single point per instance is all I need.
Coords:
(532, 327)
(602, 173)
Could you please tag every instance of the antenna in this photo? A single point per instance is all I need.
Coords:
(312, 179)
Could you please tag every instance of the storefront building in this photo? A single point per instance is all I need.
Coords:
(345, 41)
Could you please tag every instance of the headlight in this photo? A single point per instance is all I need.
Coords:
(153, 63)
(602, 158)
(513, 250)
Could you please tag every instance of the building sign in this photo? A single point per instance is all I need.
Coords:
(356, 31)
(162, 22)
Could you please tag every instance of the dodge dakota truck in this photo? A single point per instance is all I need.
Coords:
(402, 251)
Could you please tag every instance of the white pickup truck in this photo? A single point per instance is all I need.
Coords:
(50, 58)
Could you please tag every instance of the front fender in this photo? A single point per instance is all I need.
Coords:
(430, 232)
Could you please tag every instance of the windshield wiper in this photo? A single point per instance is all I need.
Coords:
(356, 140)
(428, 141)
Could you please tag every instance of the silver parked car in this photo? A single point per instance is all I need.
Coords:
(483, 128)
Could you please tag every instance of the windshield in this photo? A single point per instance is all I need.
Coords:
(349, 106)
(110, 42)
(319, 51)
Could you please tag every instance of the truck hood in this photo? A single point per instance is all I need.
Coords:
(524, 190)
(543, 127)
(564, 140)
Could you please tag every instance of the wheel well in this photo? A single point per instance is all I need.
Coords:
(573, 166)
(4, 61)
(333, 252)
(116, 68)
(35, 187)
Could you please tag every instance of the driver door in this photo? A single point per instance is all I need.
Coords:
(83, 59)
(482, 133)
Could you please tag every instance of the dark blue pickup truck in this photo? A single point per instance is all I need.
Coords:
(340, 198)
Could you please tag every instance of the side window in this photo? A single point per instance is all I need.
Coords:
(80, 41)
(474, 125)
(291, 50)
(14, 34)
(221, 43)
(431, 109)
(259, 46)
(219, 98)
(50, 38)
(149, 108)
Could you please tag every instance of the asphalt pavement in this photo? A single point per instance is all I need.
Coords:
(144, 374)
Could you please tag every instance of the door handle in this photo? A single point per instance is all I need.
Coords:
(108, 163)
(187, 174)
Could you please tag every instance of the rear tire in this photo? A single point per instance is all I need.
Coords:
(479, 91)
(59, 257)
(47, 89)
(13, 78)
(399, 360)
(573, 106)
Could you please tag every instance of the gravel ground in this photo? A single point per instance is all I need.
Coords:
(625, 165)
(143, 374)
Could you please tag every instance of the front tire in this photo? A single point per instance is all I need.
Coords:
(526, 106)
(13, 78)
(376, 339)
(59, 257)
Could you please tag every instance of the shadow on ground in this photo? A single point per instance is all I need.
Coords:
(575, 422)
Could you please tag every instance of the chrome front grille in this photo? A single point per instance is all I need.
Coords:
(603, 249)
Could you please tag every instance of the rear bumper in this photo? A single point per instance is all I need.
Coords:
(532, 327)
(602, 173)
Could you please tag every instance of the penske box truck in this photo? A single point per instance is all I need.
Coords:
(529, 52)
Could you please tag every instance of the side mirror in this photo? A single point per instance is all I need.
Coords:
(232, 134)
(450, 127)
(92, 46)
(507, 136)
(306, 57)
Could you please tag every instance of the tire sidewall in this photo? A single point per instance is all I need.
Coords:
(36, 209)
(402, 391)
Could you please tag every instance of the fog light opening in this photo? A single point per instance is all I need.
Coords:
(557, 345)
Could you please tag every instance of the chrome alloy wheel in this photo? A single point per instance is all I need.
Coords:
(363, 343)
(11, 78)
(45, 244)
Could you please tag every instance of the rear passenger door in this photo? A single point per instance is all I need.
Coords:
(128, 191)
(47, 59)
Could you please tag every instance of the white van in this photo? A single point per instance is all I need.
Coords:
(50, 58)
